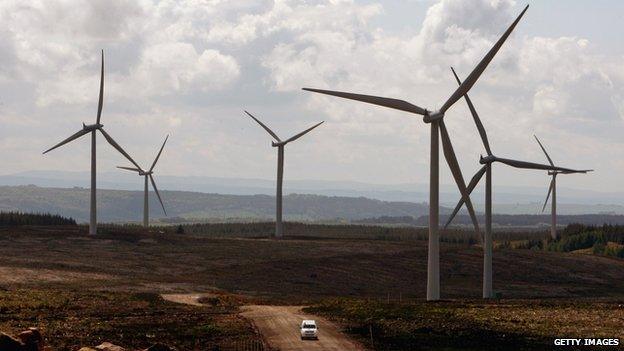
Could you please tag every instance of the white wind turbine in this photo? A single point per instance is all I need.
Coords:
(487, 169)
(149, 175)
(280, 169)
(93, 128)
(438, 128)
(553, 189)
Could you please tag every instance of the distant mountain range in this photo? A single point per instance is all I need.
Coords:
(507, 199)
(127, 206)
(501, 220)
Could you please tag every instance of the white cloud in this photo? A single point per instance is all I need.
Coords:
(189, 67)
(168, 67)
(55, 45)
(542, 84)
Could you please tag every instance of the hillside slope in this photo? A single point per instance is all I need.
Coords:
(124, 206)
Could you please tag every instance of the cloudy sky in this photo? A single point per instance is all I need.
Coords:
(189, 68)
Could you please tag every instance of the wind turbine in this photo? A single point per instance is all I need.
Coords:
(146, 175)
(93, 128)
(487, 169)
(553, 189)
(280, 169)
(438, 128)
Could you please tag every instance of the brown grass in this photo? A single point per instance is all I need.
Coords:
(83, 289)
(71, 318)
(295, 270)
(475, 324)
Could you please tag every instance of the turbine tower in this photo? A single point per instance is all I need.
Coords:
(553, 189)
(93, 128)
(487, 169)
(438, 128)
(280, 169)
(146, 175)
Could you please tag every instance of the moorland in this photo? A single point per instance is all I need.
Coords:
(81, 290)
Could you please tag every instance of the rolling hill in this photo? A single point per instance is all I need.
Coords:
(127, 206)
(508, 199)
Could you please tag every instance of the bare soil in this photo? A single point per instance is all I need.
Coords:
(193, 299)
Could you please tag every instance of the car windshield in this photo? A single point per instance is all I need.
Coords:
(309, 326)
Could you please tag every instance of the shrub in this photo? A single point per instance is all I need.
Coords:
(598, 248)
(614, 251)
(576, 241)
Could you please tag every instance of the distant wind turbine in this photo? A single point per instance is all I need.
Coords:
(93, 128)
(438, 128)
(280, 169)
(553, 189)
(487, 169)
(146, 175)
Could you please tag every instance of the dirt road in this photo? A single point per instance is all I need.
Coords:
(280, 327)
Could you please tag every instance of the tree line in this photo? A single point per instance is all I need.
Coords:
(500, 219)
(606, 239)
(13, 218)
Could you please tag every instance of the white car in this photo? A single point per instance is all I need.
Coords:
(309, 330)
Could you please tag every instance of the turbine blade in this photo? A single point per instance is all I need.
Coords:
(531, 165)
(157, 193)
(375, 100)
(129, 168)
(265, 127)
(543, 149)
(550, 189)
(451, 159)
(75, 136)
(473, 184)
(476, 118)
(578, 171)
(118, 147)
(476, 72)
(101, 101)
(159, 152)
(302, 133)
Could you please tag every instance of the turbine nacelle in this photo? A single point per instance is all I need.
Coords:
(487, 159)
(432, 117)
(92, 127)
(279, 143)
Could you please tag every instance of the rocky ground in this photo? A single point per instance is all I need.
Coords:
(32, 340)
